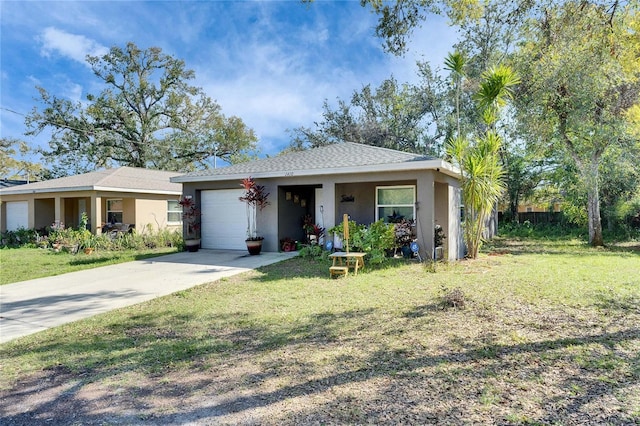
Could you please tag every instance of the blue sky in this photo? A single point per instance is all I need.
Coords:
(270, 63)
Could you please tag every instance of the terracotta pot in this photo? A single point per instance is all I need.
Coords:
(70, 248)
(192, 245)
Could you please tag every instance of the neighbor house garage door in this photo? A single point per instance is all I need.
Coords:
(224, 219)
(17, 215)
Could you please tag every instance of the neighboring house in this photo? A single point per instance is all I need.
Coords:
(8, 183)
(126, 195)
(365, 182)
(530, 211)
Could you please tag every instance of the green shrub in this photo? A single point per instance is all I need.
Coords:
(355, 234)
(21, 237)
(83, 238)
(376, 240)
(550, 231)
(313, 251)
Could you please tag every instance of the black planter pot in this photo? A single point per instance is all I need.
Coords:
(254, 246)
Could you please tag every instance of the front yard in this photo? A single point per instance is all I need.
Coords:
(20, 264)
(541, 333)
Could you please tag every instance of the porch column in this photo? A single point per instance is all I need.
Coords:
(328, 204)
(58, 214)
(31, 213)
(425, 213)
(96, 214)
(455, 239)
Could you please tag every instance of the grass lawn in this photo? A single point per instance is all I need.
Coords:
(549, 333)
(20, 264)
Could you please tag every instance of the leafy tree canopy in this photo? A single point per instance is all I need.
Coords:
(148, 115)
(402, 117)
(13, 160)
(581, 82)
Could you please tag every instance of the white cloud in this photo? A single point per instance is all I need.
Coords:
(34, 81)
(273, 88)
(277, 77)
(73, 46)
(73, 91)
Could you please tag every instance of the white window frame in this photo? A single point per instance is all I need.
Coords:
(115, 211)
(412, 205)
(178, 211)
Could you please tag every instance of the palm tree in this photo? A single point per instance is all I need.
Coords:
(454, 62)
(482, 174)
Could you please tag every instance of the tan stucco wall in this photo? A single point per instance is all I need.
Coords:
(152, 213)
(46, 208)
(129, 210)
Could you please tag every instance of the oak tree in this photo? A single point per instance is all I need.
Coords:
(148, 115)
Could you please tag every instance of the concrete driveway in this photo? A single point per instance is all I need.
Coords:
(35, 305)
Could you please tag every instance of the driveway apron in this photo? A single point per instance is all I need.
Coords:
(35, 305)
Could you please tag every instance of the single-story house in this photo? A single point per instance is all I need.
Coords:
(366, 182)
(126, 195)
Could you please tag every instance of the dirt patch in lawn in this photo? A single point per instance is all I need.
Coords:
(521, 364)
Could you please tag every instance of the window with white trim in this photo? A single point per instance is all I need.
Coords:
(114, 210)
(394, 203)
(174, 211)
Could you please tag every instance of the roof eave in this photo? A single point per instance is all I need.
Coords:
(141, 191)
(90, 188)
(436, 164)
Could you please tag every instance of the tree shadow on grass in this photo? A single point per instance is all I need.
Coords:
(150, 344)
(480, 361)
(147, 344)
(91, 261)
(299, 267)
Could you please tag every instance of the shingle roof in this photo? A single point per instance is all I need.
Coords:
(334, 156)
(128, 179)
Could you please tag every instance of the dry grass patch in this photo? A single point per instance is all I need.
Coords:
(548, 334)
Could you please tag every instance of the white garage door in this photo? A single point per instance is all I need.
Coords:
(224, 219)
(17, 215)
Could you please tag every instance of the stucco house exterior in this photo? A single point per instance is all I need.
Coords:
(367, 183)
(124, 195)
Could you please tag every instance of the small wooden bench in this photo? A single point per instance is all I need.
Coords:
(354, 260)
(335, 271)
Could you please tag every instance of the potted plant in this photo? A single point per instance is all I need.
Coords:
(255, 198)
(88, 242)
(438, 242)
(314, 232)
(403, 236)
(287, 245)
(191, 217)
